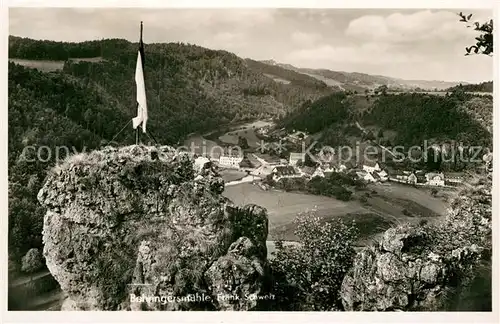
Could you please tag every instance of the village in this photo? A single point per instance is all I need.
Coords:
(253, 166)
(369, 172)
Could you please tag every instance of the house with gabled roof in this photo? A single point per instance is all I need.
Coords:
(412, 179)
(371, 166)
(366, 176)
(307, 171)
(230, 160)
(284, 171)
(383, 175)
(320, 172)
(435, 178)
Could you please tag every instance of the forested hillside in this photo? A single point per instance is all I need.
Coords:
(411, 117)
(479, 87)
(88, 101)
(418, 117)
(355, 81)
(315, 116)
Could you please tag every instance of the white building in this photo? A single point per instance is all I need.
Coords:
(453, 178)
(366, 176)
(230, 161)
(296, 157)
(412, 178)
(435, 179)
(342, 168)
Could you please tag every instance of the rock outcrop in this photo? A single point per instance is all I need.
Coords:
(417, 267)
(145, 228)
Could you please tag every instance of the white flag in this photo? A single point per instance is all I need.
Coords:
(142, 107)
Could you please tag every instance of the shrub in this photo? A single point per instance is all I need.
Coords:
(32, 261)
(406, 212)
(308, 276)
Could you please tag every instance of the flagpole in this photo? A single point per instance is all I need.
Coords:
(137, 129)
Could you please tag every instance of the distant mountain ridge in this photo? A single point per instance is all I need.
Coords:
(355, 81)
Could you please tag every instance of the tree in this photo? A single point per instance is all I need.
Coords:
(242, 142)
(382, 90)
(308, 276)
(484, 42)
(32, 261)
(88, 117)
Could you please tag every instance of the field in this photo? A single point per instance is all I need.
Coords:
(233, 136)
(282, 207)
(51, 66)
(229, 175)
(89, 59)
(387, 205)
(247, 131)
(44, 66)
(418, 200)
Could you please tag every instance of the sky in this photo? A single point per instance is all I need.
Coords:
(417, 44)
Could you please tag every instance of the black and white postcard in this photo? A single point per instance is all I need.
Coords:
(239, 159)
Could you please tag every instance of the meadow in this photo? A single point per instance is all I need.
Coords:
(41, 65)
(385, 206)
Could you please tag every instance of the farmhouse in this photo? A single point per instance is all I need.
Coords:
(297, 136)
(307, 171)
(267, 159)
(285, 171)
(342, 168)
(263, 130)
(230, 161)
(421, 179)
(328, 168)
(371, 166)
(412, 179)
(366, 176)
(320, 172)
(296, 157)
(383, 175)
(263, 170)
(453, 178)
(435, 179)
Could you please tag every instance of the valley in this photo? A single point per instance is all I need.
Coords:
(82, 95)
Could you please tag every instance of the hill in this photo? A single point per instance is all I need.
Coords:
(354, 81)
(70, 97)
(217, 83)
(479, 87)
(404, 119)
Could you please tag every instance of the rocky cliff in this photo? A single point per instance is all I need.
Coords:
(145, 228)
(418, 267)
